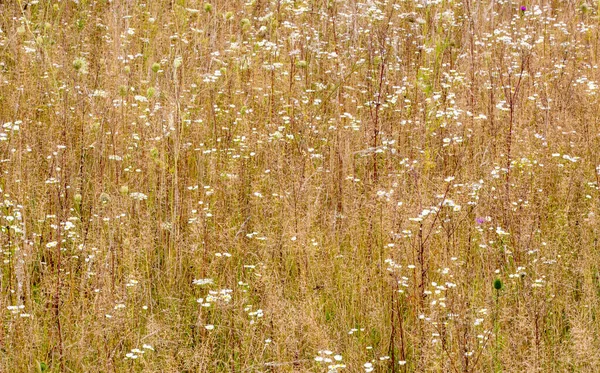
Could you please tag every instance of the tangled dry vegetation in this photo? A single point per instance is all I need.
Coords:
(299, 185)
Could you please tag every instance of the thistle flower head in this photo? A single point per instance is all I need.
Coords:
(497, 284)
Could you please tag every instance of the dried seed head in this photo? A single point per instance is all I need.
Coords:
(104, 198)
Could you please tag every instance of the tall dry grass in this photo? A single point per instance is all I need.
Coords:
(309, 186)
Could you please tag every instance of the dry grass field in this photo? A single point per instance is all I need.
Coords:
(299, 186)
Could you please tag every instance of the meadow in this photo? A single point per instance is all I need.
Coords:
(299, 186)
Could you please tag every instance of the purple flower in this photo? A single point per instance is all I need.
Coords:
(523, 8)
(480, 220)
